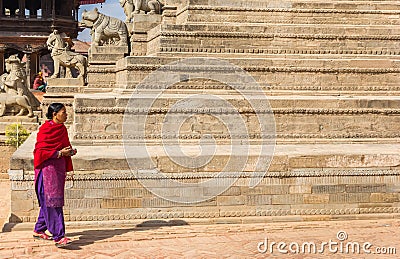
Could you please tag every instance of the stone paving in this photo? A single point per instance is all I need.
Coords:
(214, 241)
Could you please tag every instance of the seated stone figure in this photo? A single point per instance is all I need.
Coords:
(135, 6)
(14, 88)
(62, 55)
(105, 29)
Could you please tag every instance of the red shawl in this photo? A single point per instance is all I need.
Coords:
(51, 137)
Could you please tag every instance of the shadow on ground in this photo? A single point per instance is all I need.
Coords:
(13, 220)
(88, 237)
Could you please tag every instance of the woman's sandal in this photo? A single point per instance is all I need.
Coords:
(63, 242)
(41, 236)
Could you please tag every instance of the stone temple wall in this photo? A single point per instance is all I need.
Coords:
(331, 75)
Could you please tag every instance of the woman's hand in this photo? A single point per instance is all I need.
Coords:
(66, 151)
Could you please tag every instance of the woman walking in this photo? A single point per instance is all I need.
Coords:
(52, 160)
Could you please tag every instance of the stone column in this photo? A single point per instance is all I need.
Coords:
(76, 13)
(43, 7)
(1, 8)
(21, 7)
(53, 9)
(28, 69)
(34, 65)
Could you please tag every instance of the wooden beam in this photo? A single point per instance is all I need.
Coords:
(1, 62)
(21, 7)
(53, 10)
(43, 7)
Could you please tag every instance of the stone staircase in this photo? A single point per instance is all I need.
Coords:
(330, 72)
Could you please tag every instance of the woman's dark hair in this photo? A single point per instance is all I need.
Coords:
(54, 107)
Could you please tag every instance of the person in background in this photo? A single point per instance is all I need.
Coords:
(39, 83)
(52, 160)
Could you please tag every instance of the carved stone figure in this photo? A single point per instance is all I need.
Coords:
(105, 29)
(62, 55)
(14, 88)
(135, 6)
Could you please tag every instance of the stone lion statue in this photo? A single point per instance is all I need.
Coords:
(14, 89)
(62, 55)
(135, 6)
(105, 28)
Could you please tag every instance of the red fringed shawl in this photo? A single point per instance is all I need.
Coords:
(51, 137)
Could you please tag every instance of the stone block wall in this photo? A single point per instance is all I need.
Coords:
(6, 152)
(330, 72)
(325, 192)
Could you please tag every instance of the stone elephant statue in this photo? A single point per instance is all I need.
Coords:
(135, 6)
(105, 28)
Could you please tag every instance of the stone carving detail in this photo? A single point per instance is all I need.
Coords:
(126, 175)
(105, 29)
(132, 7)
(14, 88)
(63, 56)
(286, 10)
(257, 35)
(282, 51)
(320, 111)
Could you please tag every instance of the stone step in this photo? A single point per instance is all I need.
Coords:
(300, 4)
(275, 27)
(179, 116)
(299, 38)
(273, 74)
(325, 180)
(296, 13)
(266, 53)
(114, 102)
(270, 30)
(221, 90)
(285, 158)
(291, 61)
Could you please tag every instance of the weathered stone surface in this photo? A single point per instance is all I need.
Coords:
(72, 83)
(384, 197)
(121, 203)
(106, 54)
(332, 86)
(349, 198)
(144, 23)
(328, 189)
(316, 198)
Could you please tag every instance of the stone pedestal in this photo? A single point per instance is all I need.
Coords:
(141, 25)
(169, 14)
(61, 82)
(102, 60)
(106, 54)
(62, 90)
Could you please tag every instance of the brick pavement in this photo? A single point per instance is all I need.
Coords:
(206, 241)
